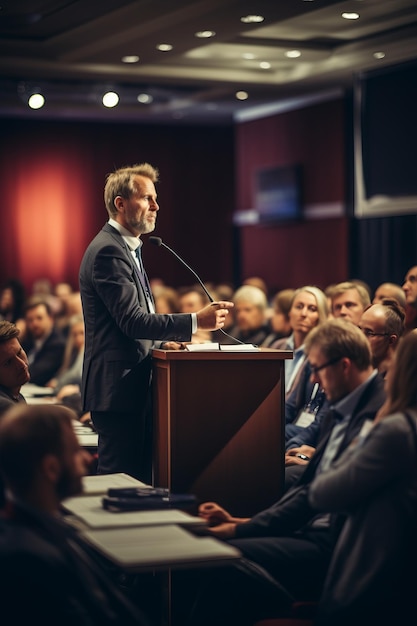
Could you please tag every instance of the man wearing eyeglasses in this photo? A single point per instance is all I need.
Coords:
(383, 325)
(290, 541)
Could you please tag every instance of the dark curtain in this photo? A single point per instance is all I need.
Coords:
(382, 249)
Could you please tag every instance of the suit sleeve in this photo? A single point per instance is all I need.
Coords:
(363, 471)
(112, 277)
(290, 513)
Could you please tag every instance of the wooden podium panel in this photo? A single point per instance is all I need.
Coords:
(219, 427)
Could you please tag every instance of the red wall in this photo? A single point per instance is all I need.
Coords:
(314, 250)
(52, 177)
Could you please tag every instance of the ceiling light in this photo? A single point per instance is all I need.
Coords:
(36, 101)
(242, 95)
(130, 58)
(350, 16)
(252, 19)
(110, 99)
(293, 54)
(144, 98)
(248, 56)
(264, 65)
(205, 34)
(379, 55)
(164, 47)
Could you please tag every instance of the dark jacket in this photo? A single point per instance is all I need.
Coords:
(49, 577)
(48, 359)
(294, 509)
(119, 329)
(370, 578)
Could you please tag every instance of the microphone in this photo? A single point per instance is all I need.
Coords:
(157, 241)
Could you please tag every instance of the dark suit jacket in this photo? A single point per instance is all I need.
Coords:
(369, 580)
(119, 329)
(49, 577)
(48, 359)
(294, 510)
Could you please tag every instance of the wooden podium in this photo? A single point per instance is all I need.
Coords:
(219, 427)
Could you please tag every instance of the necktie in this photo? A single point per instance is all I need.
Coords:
(138, 253)
(145, 281)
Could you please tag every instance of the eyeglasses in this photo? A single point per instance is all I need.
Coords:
(316, 369)
(370, 333)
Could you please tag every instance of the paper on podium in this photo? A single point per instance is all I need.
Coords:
(159, 546)
(200, 347)
(239, 347)
(90, 510)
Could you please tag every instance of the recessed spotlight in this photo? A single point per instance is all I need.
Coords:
(144, 98)
(205, 34)
(379, 55)
(130, 58)
(110, 99)
(164, 47)
(293, 54)
(264, 65)
(252, 19)
(350, 16)
(36, 101)
(242, 95)
(248, 56)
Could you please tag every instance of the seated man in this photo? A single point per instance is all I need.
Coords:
(14, 370)
(383, 325)
(44, 344)
(251, 318)
(48, 575)
(289, 541)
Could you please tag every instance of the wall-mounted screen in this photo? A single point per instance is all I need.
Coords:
(278, 194)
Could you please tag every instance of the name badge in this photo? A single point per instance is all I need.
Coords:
(305, 419)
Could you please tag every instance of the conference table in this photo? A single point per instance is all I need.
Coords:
(158, 541)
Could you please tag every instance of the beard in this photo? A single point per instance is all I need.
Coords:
(69, 484)
(142, 225)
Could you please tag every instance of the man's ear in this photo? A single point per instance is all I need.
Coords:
(118, 203)
(346, 363)
(51, 468)
(393, 340)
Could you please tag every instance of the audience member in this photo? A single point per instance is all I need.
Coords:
(42, 290)
(349, 300)
(49, 575)
(166, 299)
(121, 325)
(44, 344)
(390, 291)
(250, 314)
(71, 305)
(190, 300)
(12, 301)
(289, 541)
(383, 325)
(410, 290)
(280, 320)
(70, 371)
(308, 309)
(256, 281)
(370, 578)
(14, 369)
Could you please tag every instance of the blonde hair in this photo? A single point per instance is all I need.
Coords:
(321, 300)
(122, 183)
